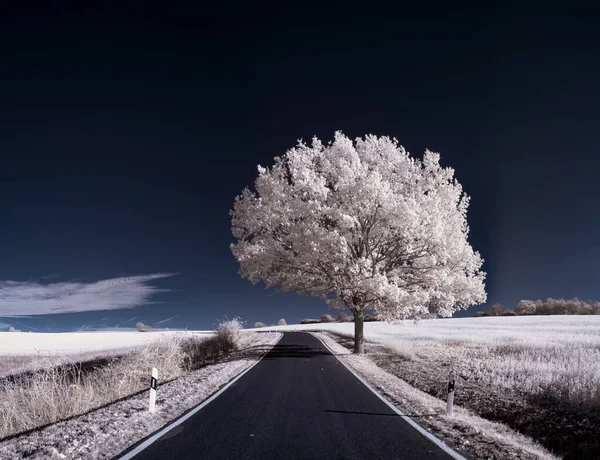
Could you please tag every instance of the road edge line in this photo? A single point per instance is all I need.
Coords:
(149, 441)
(437, 441)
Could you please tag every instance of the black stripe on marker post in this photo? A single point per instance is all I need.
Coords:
(153, 383)
(451, 386)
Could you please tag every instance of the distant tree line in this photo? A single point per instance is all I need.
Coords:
(341, 318)
(281, 322)
(549, 307)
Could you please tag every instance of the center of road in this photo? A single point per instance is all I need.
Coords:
(298, 402)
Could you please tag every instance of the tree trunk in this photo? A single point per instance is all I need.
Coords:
(359, 339)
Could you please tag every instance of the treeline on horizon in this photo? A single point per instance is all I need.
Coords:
(341, 318)
(549, 307)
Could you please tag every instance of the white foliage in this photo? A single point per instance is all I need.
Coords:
(229, 330)
(362, 225)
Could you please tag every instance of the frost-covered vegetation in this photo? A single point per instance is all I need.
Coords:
(538, 356)
(549, 307)
(76, 343)
(537, 374)
(108, 431)
(364, 226)
(55, 391)
(470, 434)
(141, 327)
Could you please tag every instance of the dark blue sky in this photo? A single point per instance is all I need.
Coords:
(126, 133)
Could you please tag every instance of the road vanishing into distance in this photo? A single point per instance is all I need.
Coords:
(298, 402)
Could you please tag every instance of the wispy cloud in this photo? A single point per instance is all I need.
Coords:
(165, 320)
(126, 321)
(19, 316)
(34, 298)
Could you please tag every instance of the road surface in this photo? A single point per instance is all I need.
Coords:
(299, 402)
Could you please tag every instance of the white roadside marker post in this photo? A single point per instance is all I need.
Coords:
(153, 390)
(450, 403)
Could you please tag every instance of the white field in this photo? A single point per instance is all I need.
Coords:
(22, 351)
(530, 354)
(50, 344)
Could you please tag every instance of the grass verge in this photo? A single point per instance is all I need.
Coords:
(467, 432)
(51, 393)
(545, 389)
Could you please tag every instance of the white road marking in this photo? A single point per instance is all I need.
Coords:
(438, 442)
(182, 419)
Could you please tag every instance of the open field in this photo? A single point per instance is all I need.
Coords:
(538, 375)
(21, 351)
(34, 343)
(55, 385)
(532, 354)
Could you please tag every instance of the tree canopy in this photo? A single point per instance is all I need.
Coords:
(362, 225)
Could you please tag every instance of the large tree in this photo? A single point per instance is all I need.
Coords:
(362, 225)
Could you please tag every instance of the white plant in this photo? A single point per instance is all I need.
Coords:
(282, 322)
(229, 330)
(327, 318)
(362, 225)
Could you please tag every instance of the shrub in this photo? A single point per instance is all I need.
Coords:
(229, 331)
(259, 324)
(310, 321)
(143, 327)
(282, 322)
(558, 307)
(12, 329)
(327, 319)
(199, 352)
(495, 310)
(525, 307)
(344, 318)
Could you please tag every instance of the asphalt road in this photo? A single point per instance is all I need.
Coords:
(299, 402)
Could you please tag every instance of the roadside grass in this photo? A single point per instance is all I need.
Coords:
(12, 364)
(27, 363)
(58, 391)
(542, 383)
(212, 349)
(471, 435)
